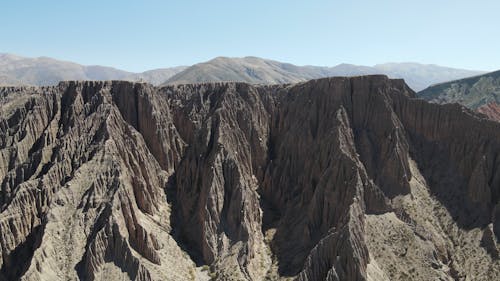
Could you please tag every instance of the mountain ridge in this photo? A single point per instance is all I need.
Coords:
(481, 93)
(251, 69)
(45, 71)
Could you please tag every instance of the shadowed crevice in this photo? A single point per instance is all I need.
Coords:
(17, 262)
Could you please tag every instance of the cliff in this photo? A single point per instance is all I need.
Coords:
(330, 179)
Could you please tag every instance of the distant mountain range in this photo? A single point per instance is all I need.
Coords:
(481, 93)
(16, 70)
(258, 70)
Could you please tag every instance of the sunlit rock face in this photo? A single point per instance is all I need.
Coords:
(330, 179)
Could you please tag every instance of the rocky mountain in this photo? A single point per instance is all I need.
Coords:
(262, 71)
(330, 179)
(481, 93)
(16, 70)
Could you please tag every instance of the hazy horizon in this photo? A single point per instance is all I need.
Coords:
(187, 65)
(139, 36)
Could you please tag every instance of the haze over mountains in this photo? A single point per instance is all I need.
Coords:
(16, 70)
(262, 71)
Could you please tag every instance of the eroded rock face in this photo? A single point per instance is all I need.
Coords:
(116, 180)
(492, 110)
(480, 93)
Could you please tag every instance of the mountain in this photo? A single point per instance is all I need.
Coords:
(262, 71)
(480, 93)
(420, 76)
(330, 179)
(491, 109)
(156, 76)
(247, 69)
(16, 70)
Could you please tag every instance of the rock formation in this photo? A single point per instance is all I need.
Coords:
(330, 179)
(492, 110)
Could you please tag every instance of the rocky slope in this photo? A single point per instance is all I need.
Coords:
(331, 179)
(480, 93)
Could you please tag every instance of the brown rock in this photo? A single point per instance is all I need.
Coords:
(492, 110)
(321, 180)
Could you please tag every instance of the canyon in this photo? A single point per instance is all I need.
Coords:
(343, 178)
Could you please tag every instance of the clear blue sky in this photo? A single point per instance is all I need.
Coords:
(141, 35)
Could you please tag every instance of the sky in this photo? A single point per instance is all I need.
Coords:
(148, 34)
